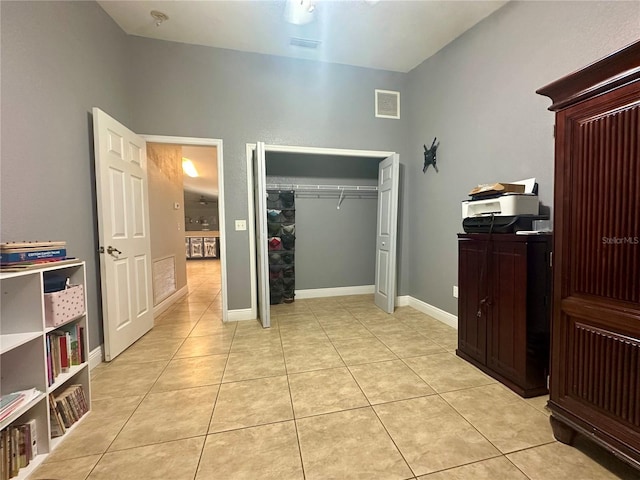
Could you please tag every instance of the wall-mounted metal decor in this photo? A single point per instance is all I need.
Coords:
(430, 156)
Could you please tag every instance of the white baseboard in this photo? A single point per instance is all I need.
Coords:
(164, 305)
(334, 292)
(403, 301)
(95, 357)
(240, 315)
(445, 317)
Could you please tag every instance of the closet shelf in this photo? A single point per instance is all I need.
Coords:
(323, 188)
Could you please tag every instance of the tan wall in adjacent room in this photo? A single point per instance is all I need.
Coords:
(167, 223)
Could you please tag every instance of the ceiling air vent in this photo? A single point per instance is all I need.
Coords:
(387, 104)
(304, 42)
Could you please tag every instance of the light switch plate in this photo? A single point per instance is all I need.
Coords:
(241, 225)
(455, 291)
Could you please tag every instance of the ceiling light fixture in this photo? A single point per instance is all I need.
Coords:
(189, 168)
(299, 12)
(159, 17)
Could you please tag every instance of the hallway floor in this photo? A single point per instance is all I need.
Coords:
(336, 389)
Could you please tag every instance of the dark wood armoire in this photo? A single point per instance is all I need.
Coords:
(503, 307)
(595, 334)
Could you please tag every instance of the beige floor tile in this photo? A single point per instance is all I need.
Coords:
(289, 308)
(335, 316)
(97, 430)
(340, 332)
(540, 403)
(305, 357)
(300, 336)
(170, 330)
(125, 380)
(252, 328)
(349, 445)
(267, 341)
(191, 372)
(214, 315)
(72, 469)
(268, 452)
(389, 381)
(502, 417)
(559, 461)
(207, 327)
(363, 350)
(388, 324)
(176, 460)
(202, 346)
(409, 344)
(168, 416)
(177, 317)
(445, 372)
(448, 341)
(190, 307)
(431, 435)
(325, 391)
(498, 468)
(245, 365)
(150, 349)
(251, 403)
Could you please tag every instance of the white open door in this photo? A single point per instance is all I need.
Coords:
(123, 232)
(386, 233)
(260, 199)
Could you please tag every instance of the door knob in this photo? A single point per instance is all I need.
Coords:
(111, 250)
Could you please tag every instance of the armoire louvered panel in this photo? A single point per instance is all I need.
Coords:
(595, 356)
(605, 371)
(605, 193)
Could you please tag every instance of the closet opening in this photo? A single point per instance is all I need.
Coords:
(323, 225)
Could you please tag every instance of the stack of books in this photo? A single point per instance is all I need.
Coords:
(29, 254)
(66, 409)
(18, 446)
(65, 348)
(11, 402)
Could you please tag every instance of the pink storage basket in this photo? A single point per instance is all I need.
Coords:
(64, 305)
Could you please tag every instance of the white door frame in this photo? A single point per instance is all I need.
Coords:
(250, 148)
(209, 142)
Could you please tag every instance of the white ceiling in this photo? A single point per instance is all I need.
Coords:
(205, 159)
(392, 35)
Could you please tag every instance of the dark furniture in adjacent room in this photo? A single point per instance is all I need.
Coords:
(504, 307)
(595, 353)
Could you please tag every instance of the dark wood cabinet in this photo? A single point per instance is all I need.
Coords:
(504, 307)
(595, 355)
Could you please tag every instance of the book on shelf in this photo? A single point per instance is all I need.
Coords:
(18, 446)
(55, 419)
(11, 402)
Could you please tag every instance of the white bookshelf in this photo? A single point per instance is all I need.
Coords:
(23, 356)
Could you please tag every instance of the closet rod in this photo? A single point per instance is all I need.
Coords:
(322, 188)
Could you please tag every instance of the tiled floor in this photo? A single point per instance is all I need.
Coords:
(336, 389)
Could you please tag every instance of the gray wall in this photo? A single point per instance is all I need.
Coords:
(59, 59)
(243, 98)
(477, 95)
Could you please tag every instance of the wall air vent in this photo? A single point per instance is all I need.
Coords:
(304, 43)
(387, 104)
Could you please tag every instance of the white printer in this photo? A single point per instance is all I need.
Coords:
(505, 204)
(501, 207)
